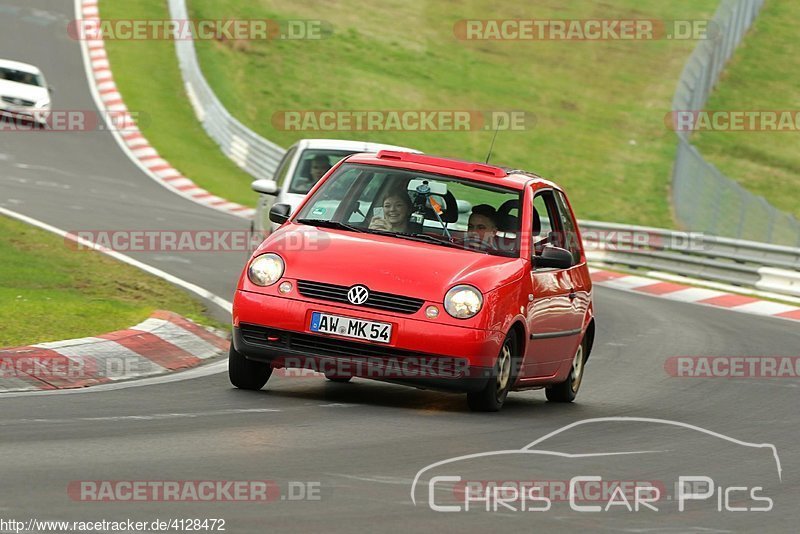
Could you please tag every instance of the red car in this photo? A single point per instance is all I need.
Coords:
(425, 271)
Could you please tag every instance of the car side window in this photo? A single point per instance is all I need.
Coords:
(283, 167)
(569, 228)
(545, 232)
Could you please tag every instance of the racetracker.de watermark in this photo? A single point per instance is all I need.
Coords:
(55, 367)
(190, 240)
(494, 492)
(399, 120)
(583, 30)
(733, 366)
(409, 367)
(637, 240)
(753, 120)
(73, 120)
(198, 29)
(193, 490)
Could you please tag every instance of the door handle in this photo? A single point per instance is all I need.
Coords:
(572, 294)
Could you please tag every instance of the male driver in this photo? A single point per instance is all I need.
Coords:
(482, 227)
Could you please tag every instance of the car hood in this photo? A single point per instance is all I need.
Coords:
(22, 90)
(385, 263)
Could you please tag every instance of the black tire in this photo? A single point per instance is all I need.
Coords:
(504, 374)
(339, 379)
(247, 374)
(567, 390)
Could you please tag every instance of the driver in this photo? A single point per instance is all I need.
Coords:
(482, 227)
(319, 166)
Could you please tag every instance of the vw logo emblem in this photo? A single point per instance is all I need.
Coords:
(358, 295)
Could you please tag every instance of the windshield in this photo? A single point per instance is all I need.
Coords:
(425, 207)
(313, 165)
(19, 76)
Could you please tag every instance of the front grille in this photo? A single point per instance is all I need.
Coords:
(18, 101)
(317, 345)
(378, 300)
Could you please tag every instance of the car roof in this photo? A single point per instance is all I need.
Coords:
(354, 146)
(16, 65)
(481, 172)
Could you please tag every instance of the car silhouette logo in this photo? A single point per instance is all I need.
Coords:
(358, 295)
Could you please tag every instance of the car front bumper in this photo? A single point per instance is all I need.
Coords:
(421, 353)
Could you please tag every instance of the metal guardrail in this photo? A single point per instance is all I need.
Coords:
(706, 200)
(254, 154)
(747, 264)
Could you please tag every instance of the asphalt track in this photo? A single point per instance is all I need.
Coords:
(364, 442)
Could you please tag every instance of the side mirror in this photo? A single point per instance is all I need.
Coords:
(265, 186)
(50, 90)
(279, 213)
(554, 258)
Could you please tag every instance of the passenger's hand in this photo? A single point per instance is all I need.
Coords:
(378, 223)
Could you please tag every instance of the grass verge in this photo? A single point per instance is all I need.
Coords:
(49, 291)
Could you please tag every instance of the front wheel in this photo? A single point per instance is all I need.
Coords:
(567, 390)
(247, 374)
(492, 397)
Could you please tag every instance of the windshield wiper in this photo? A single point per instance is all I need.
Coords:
(322, 223)
(430, 239)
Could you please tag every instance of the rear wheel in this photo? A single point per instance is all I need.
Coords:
(492, 397)
(567, 390)
(247, 374)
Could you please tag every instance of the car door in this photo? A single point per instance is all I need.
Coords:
(550, 314)
(577, 277)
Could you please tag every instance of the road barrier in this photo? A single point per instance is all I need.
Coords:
(748, 264)
(706, 200)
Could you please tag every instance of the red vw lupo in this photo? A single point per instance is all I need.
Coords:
(425, 271)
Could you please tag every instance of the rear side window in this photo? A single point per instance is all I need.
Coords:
(569, 228)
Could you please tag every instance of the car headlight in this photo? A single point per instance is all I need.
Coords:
(265, 270)
(463, 302)
(43, 104)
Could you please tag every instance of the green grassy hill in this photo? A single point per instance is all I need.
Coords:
(599, 104)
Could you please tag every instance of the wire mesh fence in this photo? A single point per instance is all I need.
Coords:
(705, 199)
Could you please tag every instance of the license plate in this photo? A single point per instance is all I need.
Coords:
(325, 323)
